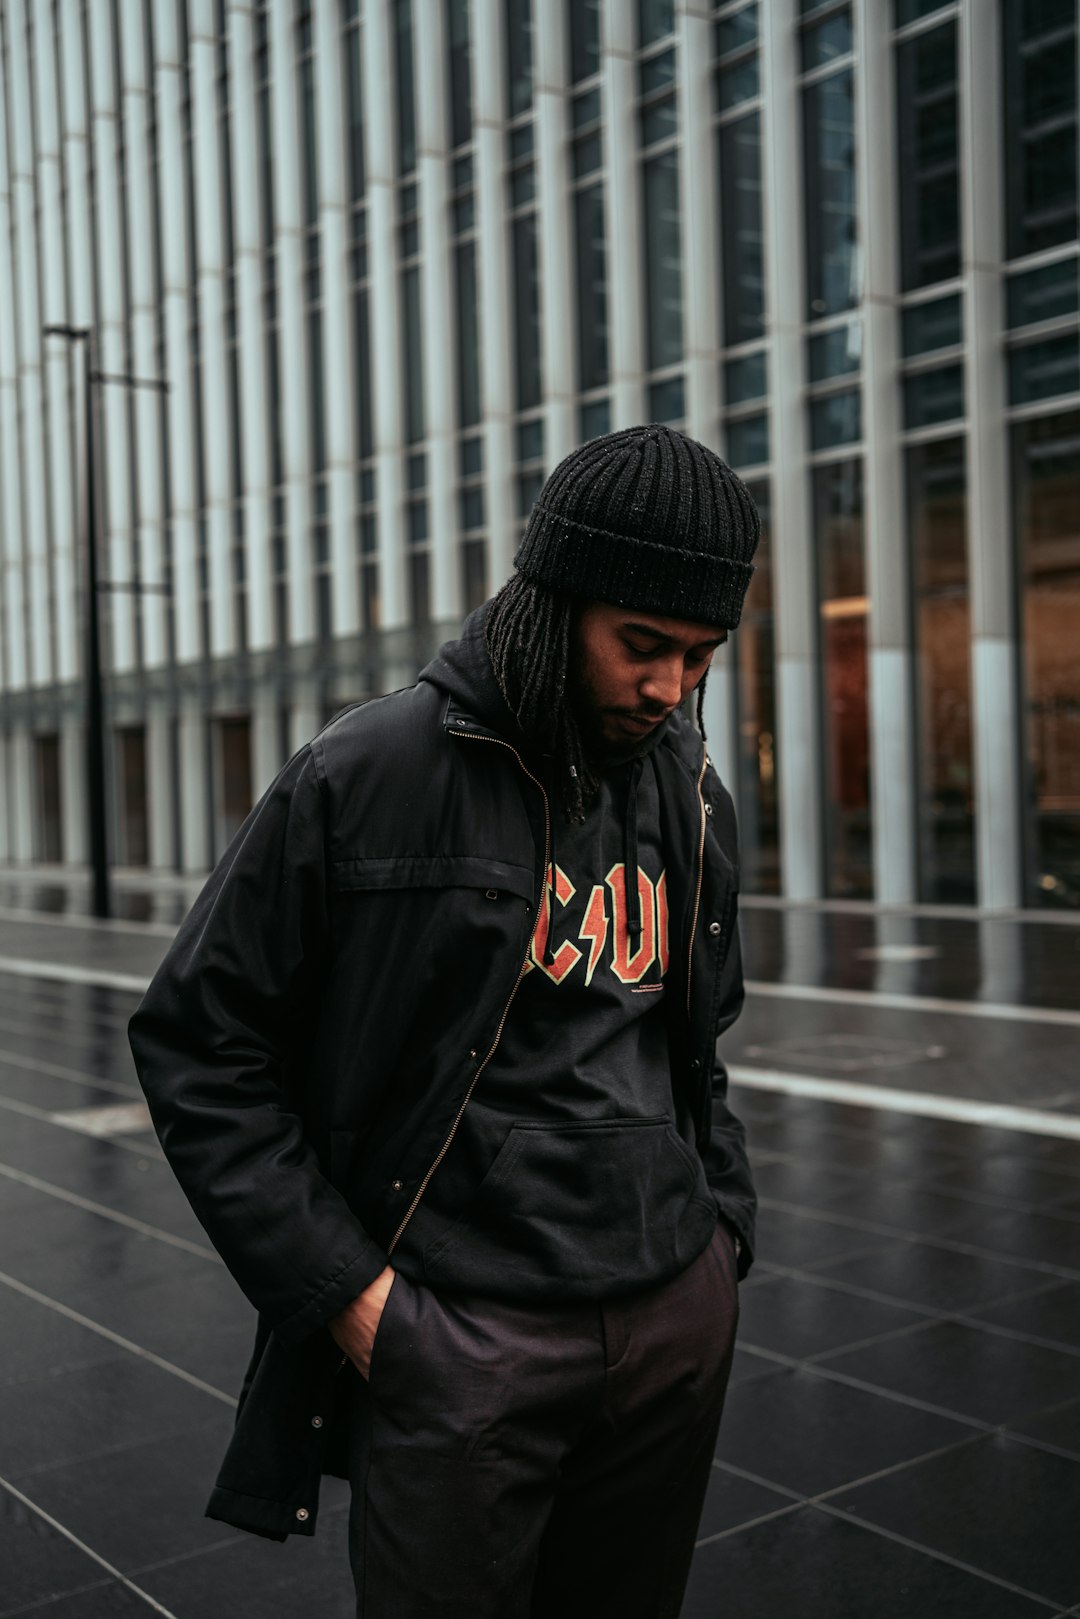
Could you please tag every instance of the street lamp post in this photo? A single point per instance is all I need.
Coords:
(95, 697)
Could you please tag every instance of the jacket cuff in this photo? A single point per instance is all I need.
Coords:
(335, 1293)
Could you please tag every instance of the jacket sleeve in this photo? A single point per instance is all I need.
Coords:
(236, 993)
(727, 1167)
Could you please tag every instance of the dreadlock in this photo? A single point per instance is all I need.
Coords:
(528, 639)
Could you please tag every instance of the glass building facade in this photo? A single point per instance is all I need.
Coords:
(395, 258)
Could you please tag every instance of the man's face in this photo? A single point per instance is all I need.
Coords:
(631, 669)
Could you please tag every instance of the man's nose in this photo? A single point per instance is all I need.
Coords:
(664, 686)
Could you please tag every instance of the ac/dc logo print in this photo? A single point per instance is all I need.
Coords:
(603, 930)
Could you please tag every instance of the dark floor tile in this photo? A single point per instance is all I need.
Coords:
(747, 1366)
(732, 1500)
(1014, 1177)
(938, 1278)
(250, 1578)
(64, 1418)
(997, 1504)
(805, 1181)
(798, 1316)
(809, 1434)
(805, 1240)
(1053, 1313)
(38, 1563)
(1059, 1427)
(879, 1154)
(1052, 1239)
(965, 1369)
(907, 1206)
(144, 1503)
(36, 1342)
(813, 1565)
(110, 1600)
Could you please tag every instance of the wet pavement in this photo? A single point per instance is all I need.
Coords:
(902, 1435)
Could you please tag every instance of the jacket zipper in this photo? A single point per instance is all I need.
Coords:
(697, 892)
(444, 1149)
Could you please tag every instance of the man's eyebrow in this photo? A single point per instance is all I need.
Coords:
(659, 635)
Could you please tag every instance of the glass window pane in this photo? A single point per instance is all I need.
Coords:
(659, 121)
(835, 353)
(531, 440)
(1041, 294)
(825, 41)
(836, 419)
(1044, 370)
(657, 73)
(936, 325)
(522, 186)
(928, 157)
(739, 82)
(934, 396)
(748, 441)
(732, 33)
(521, 142)
(413, 354)
(419, 590)
(591, 289)
(663, 261)
(457, 30)
(667, 401)
(588, 156)
(585, 109)
(474, 573)
(832, 259)
(838, 534)
(1046, 492)
(418, 522)
(746, 378)
(755, 663)
(468, 335)
(937, 524)
(355, 135)
(911, 10)
(472, 508)
(472, 456)
(526, 312)
(584, 38)
(595, 419)
(739, 214)
(519, 71)
(406, 105)
(656, 19)
(529, 487)
(1039, 59)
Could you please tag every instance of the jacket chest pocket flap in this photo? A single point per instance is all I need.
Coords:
(375, 873)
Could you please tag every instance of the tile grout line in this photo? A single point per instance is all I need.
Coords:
(894, 1001)
(129, 1220)
(26, 1110)
(96, 1557)
(46, 1602)
(115, 1338)
(57, 972)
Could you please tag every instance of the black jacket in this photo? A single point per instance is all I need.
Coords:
(316, 1029)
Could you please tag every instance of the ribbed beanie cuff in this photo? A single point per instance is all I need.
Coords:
(645, 518)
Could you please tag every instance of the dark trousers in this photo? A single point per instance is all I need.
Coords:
(538, 1461)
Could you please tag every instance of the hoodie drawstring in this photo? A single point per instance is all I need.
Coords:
(549, 947)
(630, 855)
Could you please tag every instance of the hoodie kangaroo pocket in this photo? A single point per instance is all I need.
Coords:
(583, 1204)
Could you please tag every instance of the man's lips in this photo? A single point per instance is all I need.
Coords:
(638, 722)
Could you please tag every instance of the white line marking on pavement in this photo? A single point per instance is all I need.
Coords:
(94, 1556)
(64, 974)
(129, 1220)
(35, 1065)
(925, 1104)
(144, 1149)
(114, 1337)
(118, 1119)
(915, 1003)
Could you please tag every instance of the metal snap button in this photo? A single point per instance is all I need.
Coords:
(395, 1186)
(472, 1051)
(316, 1422)
(708, 809)
(302, 1514)
(714, 928)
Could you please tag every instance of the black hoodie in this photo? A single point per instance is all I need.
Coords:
(573, 1171)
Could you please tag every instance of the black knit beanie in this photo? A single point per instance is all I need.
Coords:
(646, 518)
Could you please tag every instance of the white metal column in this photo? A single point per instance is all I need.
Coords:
(700, 224)
(57, 355)
(386, 357)
(293, 347)
(251, 350)
(34, 524)
(22, 760)
(995, 655)
(213, 370)
(74, 816)
(180, 403)
(162, 796)
(149, 471)
(337, 345)
(12, 599)
(436, 293)
(114, 400)
(622, 197)
(799, 751)
(555, 200)
(894, 804)
(194, 788)
(493, 286)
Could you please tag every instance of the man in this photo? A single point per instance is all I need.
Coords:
(433, 1059)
